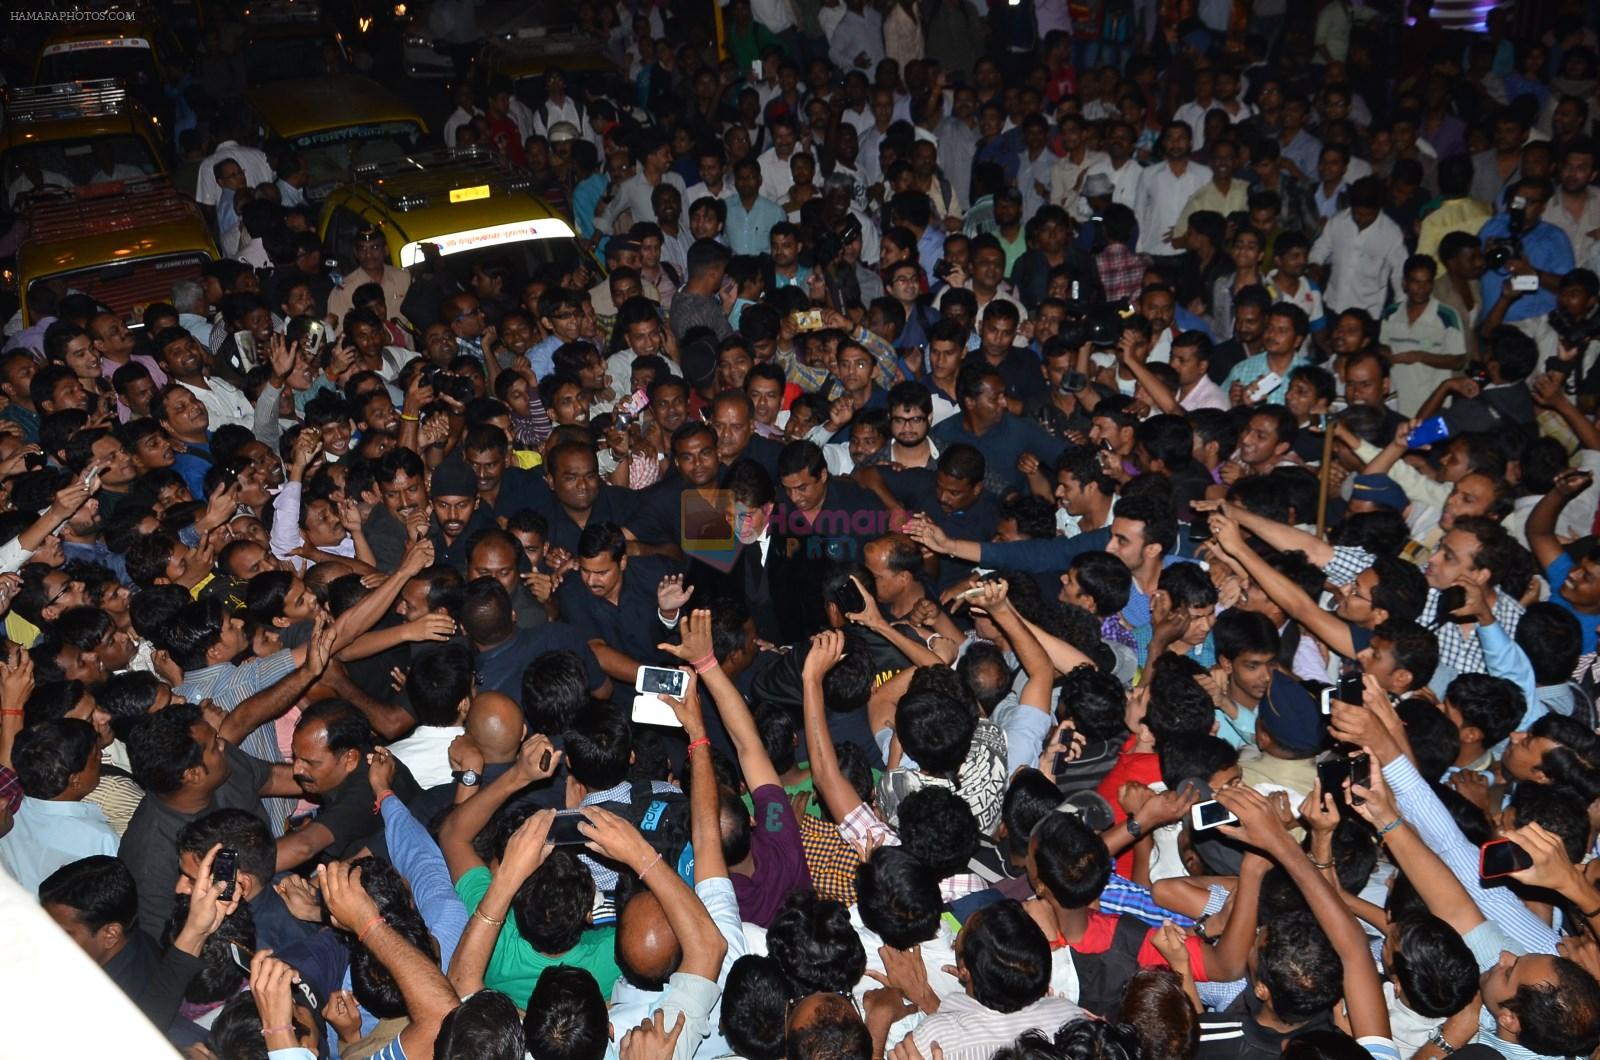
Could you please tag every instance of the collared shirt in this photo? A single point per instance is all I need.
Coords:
(257, 170)
(1545, 247)
(1210, 197)
(1577, 229)
(227, 686)
(967, 1030)
(1254, 367)
(634, 197)
(394, 281)
(605, 878)
(46, 835)
(224, 403)
(1121, 271)
(1161, 199)
(1437, 329)
(749, 231)
(1368, 263)
(1124, 182)
(1204, 395)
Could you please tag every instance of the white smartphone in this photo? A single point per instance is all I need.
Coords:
(1210, 814)
(1262, 387)
(755, 70)
(653, 682)
(1525, 283)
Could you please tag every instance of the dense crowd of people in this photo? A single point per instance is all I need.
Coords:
(1059, 531)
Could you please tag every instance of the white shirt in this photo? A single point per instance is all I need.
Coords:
(47, 835)
(1368, 264)
(1577, 230)
(1193, 114)
(1437, 329)
(224, 403)
(1205, 395)
(773, 14)
(458, 117)
(426, 753)
(856, 34)
(1162, 195)
(1124, 183)
(702, 190)
(568, 110)
(1032, 172)
(257, 170)
(775, 175)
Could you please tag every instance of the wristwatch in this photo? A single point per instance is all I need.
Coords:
(467, 778)
(1135, 829)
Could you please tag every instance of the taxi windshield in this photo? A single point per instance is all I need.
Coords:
(330, 155)
(73, 163)
(133, 65)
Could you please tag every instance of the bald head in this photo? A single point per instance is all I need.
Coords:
(494, 723)
(647, 949)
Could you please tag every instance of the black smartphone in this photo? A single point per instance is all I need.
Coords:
(1073, 382)
(1451, 600)
(1352, 689)
(225, 870)
(1360, 776)
(1331, 774)
(564, 829)
(1502, 857)
(1200, 528)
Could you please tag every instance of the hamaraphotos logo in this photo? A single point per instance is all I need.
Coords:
(714, 525)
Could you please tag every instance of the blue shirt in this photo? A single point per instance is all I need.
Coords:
(1254, 367)
(541, 356)
(1001, 445)
(584, 199)
(1557, 573)
(1546, 248)
(748, 231)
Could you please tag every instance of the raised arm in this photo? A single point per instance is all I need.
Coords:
(537, 760)
(1541, 526)
(696, 650)
(1280, 536)
(829, 781)
(275, 700)
(614, 838)
(428, 995)
(525, 851)
(1260, 826)
(1327, 628)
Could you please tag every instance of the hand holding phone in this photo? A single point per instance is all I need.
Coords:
(1204, 816)
(1501, 857)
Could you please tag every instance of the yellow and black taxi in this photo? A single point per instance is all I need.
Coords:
(74, 134)
(123, 243)
(522, 58)
(466, 201)
(336, 124)
(137, 51)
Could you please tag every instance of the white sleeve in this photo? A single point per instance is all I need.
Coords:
(13, 556)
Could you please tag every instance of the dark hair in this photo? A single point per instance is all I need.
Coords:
(1095, 701)
(441, 677)
(1492, 705)
(47, 754)
(1156, 513)
(1401, 590)
(757, 990)
(1006, 957)
(483, 1027)
(1105, 579)
(1434, 967)
(1434, 738)
(566, 1015)
(1551, 637)
(98, 888)
(935, 730)
(1415, 649)
(555, 686)
(1238, 631)
(1560, 1018)
(1179, 706)
(939, 829)
(1195, 758)
(599, 747)
(1299, 967)
(1072, 861)
(814, 943)
(552, 906)
(898, 897)
(162, 748)
(1155, 1006)
(236, 830)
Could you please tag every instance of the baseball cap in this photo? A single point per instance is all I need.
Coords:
(1096, 184)
(1292, 716)
(1379, 489)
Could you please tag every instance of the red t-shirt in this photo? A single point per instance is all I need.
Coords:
(1141, 766)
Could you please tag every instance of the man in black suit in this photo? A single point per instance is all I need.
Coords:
(760, 574)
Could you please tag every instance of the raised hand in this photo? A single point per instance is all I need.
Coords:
(827, 648)
(672, 594)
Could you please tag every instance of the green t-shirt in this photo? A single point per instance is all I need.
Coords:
(515, 966)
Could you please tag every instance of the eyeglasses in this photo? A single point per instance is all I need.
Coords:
(571, 314)
(64, 590)
(907, 420)
(478, 312)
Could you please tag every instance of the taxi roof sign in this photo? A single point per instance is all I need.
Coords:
(63, 47)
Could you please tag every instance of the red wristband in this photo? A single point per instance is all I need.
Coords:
(11, 713)
(695, 745)
(361, 936)
(704, 663)
(377, 807)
